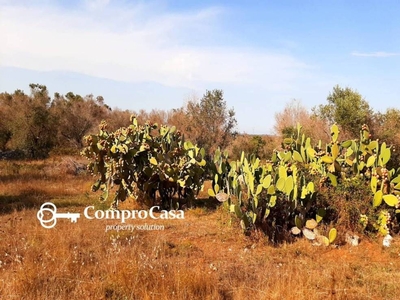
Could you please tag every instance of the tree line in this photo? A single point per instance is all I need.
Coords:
(36, 124)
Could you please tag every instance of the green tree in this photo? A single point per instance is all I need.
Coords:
(347, 108)
(211, 124)
(40, 124)
(257, 143)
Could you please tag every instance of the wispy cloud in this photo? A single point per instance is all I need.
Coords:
(137, 42)
(376, 54)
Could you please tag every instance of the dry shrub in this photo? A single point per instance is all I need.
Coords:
(260, 145)
(295, 113)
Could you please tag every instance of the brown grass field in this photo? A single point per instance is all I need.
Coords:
(204, 256)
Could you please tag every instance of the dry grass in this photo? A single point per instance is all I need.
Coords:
(201, 257)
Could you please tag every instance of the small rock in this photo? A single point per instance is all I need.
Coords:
(387, 240)
(353, 240)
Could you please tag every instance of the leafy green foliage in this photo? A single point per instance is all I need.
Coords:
(346, 108)
(210, 123)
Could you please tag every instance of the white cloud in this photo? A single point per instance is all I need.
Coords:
(375, 54)
(142, 42)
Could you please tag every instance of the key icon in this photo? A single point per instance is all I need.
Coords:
(48, 214)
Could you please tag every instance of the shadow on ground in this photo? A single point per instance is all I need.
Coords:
(28, 199)
(11, 203)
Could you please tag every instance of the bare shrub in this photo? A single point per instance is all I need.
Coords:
(295, 113)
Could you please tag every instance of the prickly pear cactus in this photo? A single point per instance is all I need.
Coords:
(270, 195)
(154, 160)
(281, 193)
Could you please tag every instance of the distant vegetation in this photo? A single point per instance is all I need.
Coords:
(270, 182)
(37, 124)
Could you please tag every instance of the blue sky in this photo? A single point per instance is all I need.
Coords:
(159, 54)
